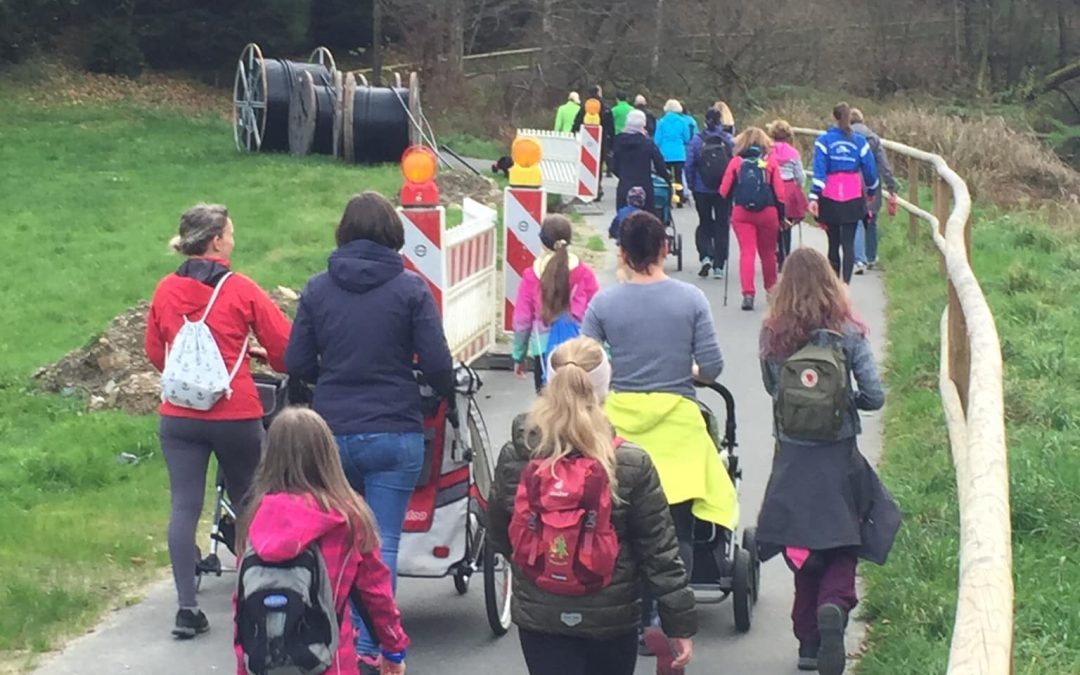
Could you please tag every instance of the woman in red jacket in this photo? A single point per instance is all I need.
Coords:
(753, 182)
(231, 429)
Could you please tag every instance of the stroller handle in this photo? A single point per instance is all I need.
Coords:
(729, 403)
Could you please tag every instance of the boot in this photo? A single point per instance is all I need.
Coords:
(808, 651)
(832, 655)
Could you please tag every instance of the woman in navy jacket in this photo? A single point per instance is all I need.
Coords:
(358, 327)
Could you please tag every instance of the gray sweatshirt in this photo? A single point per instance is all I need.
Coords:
(655, 332)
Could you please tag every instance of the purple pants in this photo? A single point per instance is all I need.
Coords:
(827, 578)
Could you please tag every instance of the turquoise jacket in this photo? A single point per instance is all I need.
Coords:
(672, 136)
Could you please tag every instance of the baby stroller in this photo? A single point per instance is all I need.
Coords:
(722, 568)
(662, 200)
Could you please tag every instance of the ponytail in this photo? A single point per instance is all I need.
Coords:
(555, 234)
(842, 114)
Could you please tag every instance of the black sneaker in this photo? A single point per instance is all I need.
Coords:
(808, 651)
(189, 624)
(748, 303)
(706, 267)
(832, 656)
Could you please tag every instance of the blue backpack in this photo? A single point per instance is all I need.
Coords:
(564, 328)
(753, 191)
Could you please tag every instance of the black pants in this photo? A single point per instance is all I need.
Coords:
(714, 227)
(547, 654)
(538, 373)
(683, 515)
(676, 171)
(783, 247)
(842, 237)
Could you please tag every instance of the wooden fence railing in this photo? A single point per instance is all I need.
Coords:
(971, 389)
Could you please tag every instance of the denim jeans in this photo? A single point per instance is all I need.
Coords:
(385, 468)
(866, 241)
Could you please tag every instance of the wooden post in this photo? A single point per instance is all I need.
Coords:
(913, 197)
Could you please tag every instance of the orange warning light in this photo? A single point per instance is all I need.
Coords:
(592, 111)
(419, 165)
(526, 153)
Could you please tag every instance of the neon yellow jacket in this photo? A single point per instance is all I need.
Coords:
(564, 117)
(672, 431)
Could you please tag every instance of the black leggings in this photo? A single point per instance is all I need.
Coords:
(714, 227)
(783, 246)
(548, 654)
(842, 236)
(683, 515)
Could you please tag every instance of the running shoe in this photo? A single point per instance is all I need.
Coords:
(717, 272)
(748, 303)
(190, 623)
(860, 268)
(808, 651)
(706, 265)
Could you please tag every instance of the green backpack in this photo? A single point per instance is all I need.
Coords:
(813, 393)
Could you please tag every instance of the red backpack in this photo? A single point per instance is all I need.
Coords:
(561, 531)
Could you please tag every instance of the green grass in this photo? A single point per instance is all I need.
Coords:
(1031, 276)
(470, 146)
(90, 197)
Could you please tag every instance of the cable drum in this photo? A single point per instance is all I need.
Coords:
(312, 117)
(381, 125)
(281, 79)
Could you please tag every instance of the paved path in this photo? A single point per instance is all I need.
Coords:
(449, 632)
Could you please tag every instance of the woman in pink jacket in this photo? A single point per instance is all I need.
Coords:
(551, 300)
(794, 176)
(752, 181)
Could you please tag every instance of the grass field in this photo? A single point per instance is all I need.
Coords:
(90, 197)
(1031, 276)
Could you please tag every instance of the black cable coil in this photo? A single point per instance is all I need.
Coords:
(381, 124)
(280, 79)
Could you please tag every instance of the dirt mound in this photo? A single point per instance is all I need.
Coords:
(454, 186)
(112, 370)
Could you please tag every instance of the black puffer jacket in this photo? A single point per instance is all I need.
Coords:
(648, 552)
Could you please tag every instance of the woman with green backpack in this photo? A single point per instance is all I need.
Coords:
(824, 507)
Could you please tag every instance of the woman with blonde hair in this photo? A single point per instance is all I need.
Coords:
(727, 119)
(752, 182)
(594, 632)
(794, 177)
(824, 507)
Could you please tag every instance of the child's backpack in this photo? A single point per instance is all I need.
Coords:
(753, 191)
(195, 376)
(286, 623)
(713, 161)
(565, 328)
(813, 392)
(561, 531)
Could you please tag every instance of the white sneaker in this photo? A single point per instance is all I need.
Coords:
(860, 268)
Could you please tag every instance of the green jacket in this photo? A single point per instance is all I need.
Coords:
(648, 552)
(619, 112)
(564, 118)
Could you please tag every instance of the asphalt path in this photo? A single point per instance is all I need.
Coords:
(450, 632)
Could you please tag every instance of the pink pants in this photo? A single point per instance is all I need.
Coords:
(756, 232)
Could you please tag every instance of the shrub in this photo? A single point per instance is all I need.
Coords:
(115, 51)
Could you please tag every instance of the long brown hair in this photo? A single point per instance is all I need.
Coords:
(301, 458)
(842, 114)
(750, 137)
(809, 297)
(555, 233)
(568, 416)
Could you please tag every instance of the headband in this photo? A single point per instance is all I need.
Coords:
(600, 376)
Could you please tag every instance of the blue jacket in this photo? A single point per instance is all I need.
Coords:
(839, 153)
(616, 222)
(672, 135)
(357, 328)
(693, 152)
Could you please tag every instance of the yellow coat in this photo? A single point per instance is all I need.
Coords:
(672, 431)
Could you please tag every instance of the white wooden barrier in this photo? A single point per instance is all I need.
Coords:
(471, 302)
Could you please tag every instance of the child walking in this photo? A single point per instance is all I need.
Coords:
(301, 498)
(794, 176)
(564, 453)
(824, 507)
(551, 300)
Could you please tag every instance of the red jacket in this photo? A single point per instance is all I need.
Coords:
(286, 524)
(731, 175)
(241, 307)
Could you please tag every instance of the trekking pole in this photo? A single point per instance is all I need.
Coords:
(800, 232)
(727, 266)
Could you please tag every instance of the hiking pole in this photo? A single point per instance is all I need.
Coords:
(727, 265)
(800, 232)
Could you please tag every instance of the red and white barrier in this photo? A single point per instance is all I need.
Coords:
(423, 252)
(589, 165)
(523, 211)
(571, 162)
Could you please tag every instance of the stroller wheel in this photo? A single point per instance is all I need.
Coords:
(749, 544)
(461, 582)
(742, 595)
(678, 252)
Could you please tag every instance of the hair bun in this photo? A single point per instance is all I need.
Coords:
(174, 244)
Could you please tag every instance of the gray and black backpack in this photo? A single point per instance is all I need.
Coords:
(813, 392)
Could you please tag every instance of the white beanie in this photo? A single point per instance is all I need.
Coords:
(574, 97)
(635, 122)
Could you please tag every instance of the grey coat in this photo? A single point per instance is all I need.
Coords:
(882, 159)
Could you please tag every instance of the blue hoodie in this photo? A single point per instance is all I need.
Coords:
(836, 154)
(357, 329)
(693, 153)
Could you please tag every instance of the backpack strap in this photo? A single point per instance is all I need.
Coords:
(532, 491)
(243, 349)
(213, 297)
(593, 494)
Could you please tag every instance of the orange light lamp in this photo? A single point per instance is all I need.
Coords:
(592, 111)
(419, 166)
(526, 153)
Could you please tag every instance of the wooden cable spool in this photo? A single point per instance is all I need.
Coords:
(348, 100)
(312, 116)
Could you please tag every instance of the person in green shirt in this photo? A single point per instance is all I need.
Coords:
(567, 113)
(620, 110)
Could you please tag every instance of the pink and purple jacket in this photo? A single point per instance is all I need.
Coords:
(286, 524)
(530, 331)
(790, 161)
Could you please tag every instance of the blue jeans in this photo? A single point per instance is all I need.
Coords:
(385, 468)
(866, 241)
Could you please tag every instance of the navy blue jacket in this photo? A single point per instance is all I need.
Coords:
(356, 331)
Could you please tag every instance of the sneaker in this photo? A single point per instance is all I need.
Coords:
(665, 654)
(748, 303)
(642, 647)
(717, 272)
(860, 268)
(190, 623)
(706, 265)
(871, 265)
(808, 651)
(832, 655)
(367, 665)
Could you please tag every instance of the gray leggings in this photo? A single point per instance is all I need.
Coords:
(187, 444)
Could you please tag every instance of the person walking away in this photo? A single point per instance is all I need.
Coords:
(707, 159)
(866, 233)
(635, 203)
(727, 119)
(640, 103)
(661, 337)
(794, 176)
(672, 136)
(204, 294)
(567, 113)
(619, 111)
(690, 121)
(586, 624)
(753, 184)
(302, 502)
(824, 506)
(551, 300)
(607, 133)
(362, 328)
(845, 177)
(634, 159)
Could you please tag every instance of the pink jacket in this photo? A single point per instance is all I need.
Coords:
(530, 333)
(286, 524)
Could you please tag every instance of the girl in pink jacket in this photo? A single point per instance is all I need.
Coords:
(551, 299)
(794, 176)
(301, 497)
